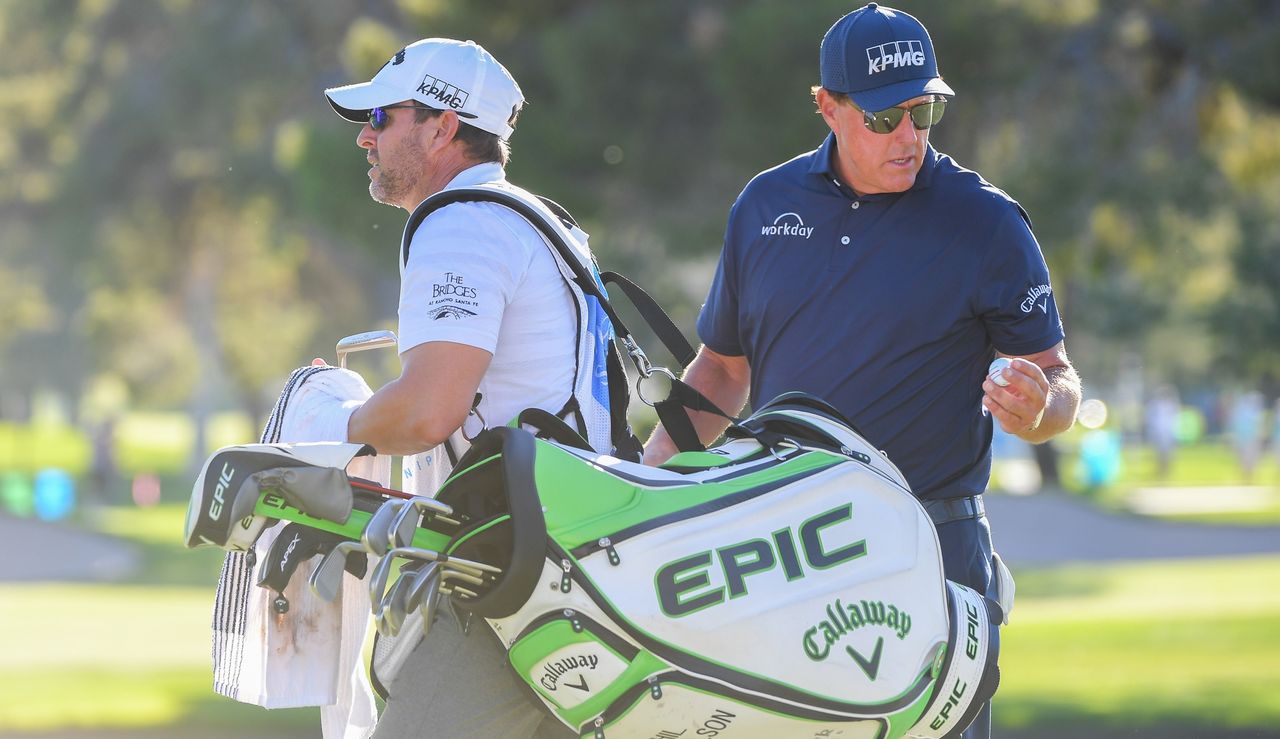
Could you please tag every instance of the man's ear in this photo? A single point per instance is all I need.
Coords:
(445, 131)
(826, 106)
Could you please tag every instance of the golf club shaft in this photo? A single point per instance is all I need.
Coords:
(374, 488)
(273, 505)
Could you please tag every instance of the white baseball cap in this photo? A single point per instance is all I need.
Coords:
(443, 74)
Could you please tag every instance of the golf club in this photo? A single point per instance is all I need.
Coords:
(389, 614)
(430, 593)
(401, 531)
(326, 580)
(421, 579)
(377, 533)
(363, 342)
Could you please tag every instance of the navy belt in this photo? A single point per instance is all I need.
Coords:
(947, 510)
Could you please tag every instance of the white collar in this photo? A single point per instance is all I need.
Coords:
(477, 174)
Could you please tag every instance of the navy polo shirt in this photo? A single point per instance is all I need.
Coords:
(888, 306)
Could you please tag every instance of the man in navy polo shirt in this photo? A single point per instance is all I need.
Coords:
(883, 277)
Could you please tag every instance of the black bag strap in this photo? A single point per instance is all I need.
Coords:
(585, 280)
(653, 314)
(671, 410)
(552, 427)
(650, 311)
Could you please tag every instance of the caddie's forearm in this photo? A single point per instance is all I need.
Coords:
(724, 383)
(1060, 410)
(426, 403)
(394, 422)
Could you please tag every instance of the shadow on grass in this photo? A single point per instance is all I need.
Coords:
(1055, 583)
(157, 537)
(170, 732)
(167, 566)
(1154, 731)
(1157, 719)
(204, 718)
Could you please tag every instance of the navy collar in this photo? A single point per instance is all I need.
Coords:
(821, 166)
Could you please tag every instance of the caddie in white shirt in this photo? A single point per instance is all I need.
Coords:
(483, 309)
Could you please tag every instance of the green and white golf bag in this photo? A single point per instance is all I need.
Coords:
(784, 584)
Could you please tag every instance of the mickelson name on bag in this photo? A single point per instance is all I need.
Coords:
(845, 619)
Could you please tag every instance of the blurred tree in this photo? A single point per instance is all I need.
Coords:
(180, 208)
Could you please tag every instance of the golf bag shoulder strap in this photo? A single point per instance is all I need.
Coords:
(655, 317)
(777, 416)
(673, 412)
(798, 400)
(555, 223)
(650, 311)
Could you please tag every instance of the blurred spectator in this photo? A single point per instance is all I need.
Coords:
(1046, 456)
(103, 469)
(1275, 431)
(1245, 425)
(1162, 426)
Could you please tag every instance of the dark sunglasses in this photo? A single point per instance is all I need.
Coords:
(379, 118)
(924, 115)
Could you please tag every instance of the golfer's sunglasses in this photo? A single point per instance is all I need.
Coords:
(379, 118)
(924, 115)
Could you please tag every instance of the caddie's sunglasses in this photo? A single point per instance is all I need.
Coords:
(379, 118)
(924, 115)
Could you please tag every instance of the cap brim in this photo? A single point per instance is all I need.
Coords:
(879, 98)
(353, 102)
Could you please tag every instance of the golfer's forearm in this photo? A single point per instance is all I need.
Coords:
(724, 383)
(1060, 411)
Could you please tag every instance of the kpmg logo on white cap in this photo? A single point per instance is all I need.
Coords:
(451, 95)
(894, 54)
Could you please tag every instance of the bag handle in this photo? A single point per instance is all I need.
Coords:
(552, 427)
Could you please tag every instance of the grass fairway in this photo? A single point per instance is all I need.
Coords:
(1144, 648)
(106, 656)
(1167, 649)
(129, 658)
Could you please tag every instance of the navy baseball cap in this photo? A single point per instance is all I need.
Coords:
(880, 57)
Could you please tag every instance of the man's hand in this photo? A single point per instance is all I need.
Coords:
(1041, 398)
(1019, 406)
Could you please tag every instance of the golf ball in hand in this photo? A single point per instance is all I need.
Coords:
(995, 369)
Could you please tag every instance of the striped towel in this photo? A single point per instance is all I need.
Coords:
(310, 655)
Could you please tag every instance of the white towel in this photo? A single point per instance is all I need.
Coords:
(310, 655)
(424, 473)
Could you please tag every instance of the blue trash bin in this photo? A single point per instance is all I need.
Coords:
(55, 495)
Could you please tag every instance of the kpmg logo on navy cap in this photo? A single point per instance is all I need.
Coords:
(895, 54)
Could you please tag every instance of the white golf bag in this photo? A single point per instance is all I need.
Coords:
(784, 584)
